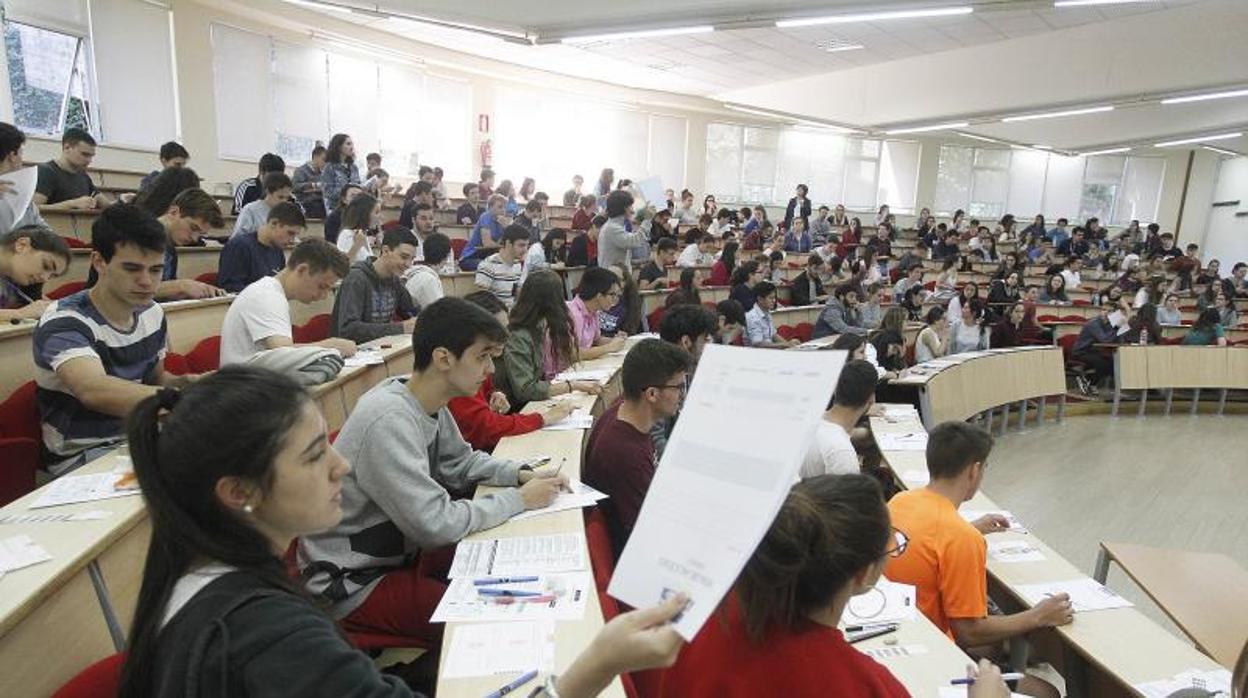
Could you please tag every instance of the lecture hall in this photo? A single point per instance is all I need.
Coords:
(717, 349)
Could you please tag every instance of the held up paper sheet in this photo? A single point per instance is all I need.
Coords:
(719, 485)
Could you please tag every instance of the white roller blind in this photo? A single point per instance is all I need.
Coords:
(64, 15)
(241, 80)
(300, 100)
(628, 144)
(667, 149)
(723, 161)
(1141, 190)
(446, 133)
(1027, 172)
(860, 183)
(353, 101)
(400, 121)
(899, 175)
(135, 79)
(1063, 187)
(953, 178)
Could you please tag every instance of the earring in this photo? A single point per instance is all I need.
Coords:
(248, 508)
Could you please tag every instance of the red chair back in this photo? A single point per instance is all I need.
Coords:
(315, 330)
(20, 441)
(457, 246)
(67, 289)
(177, 364)
(75, 243)
(208, 277)
(1067, 343)
(786, 331)
(805, 331)
(206, 356)
(601, 554)
(100, 680)
(655, 318)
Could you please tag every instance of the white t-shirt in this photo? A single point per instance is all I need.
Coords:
(830, 453)
(259, 312)
(424, 285)
(346, 238)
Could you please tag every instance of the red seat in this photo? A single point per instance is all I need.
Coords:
(100, 680)
(177, 364)
(75, 243)
(208, 277)
(1172, 340)
(1048, 318)
(67, 289)
(20, 443)
(930, 286)
(1073, 318)
(655, 318)
(206, 356)
(786, 331)
(805, 331)
(1080, 302)
(315, 330)
(601, 554)
(457, 246)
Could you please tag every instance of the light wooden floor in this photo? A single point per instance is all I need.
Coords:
(1179, 482)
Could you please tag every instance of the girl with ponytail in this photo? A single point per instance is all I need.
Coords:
(776, 633)
(233, 469)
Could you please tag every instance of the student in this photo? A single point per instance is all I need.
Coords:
(1076, 246)
(968, 325)
(340, 168)
(500, 272)
(583, 250)
(913, 278)
(841, 315)
(1206, 331)
(406, 451)
(870, 310)
(359, 227)
(654, 274)
(831, 452)
(760, 331)
(12, 141)
(807, 288)
(744, 278)
(777, 628)
(485, 184)
(423, 282)
(686, 214)
(251, 256)
(333, 220)
(721, 271)
(372, 161)
(540, 344)
(100, 351)
(698, 253)
(277, 190)
(1236, 285)
(620, 457)
(623, 318)
(469, 211)
(307, 186)
(573, 195)
(1169, 313)
(172, 154)
(1168, 249)
(1227, 315)
(1102, 329)
(583, 216)
(252, 188)
(945, 557)
(550, 252)
(259, 318)
(378, 183)
(1054, 292)
(29, 256)
(191, 214)
(1010, 331)
(487, 234)
(615, 241)
(796, 238)
(933, 340)
(421, 192)
(599, 291)
(820, 228)
(605, 180)
(63, 183)
(799, 207)
(528, 219)
(372, 294)
(1058, 234)
(690, 327)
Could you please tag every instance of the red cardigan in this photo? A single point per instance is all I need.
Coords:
(481, 426)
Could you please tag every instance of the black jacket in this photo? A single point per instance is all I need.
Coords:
(799, 292)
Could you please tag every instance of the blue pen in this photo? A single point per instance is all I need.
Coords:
(1004, 677)
(527, 677)
(508, 592)
(487, 581)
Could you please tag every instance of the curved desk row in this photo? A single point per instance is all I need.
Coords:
(1167, 367)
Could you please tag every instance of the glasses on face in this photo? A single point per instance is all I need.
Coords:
(899, 543)
(679, 386)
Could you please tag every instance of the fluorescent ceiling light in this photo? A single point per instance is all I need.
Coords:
(1055, 114)
(1042, 147)
(837, 45)
(1085, 3)
(1223, 151)
(1107, 151)
(759, 112)
(974, 137)
(924, 129)
(311, 4)
(829, 127)
(641, 34)
(1199, 139)
(874, 16)
(789, 117)
(1201, 98)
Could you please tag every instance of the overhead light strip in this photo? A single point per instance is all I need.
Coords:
(1222, 151)
(974, 137)
(790, 117)
(925, 129)
(1088, 3)
(1106, 151)
(640, 34)
(874, 16)
(1203, 97)
(1200, 139)
(1057, 114)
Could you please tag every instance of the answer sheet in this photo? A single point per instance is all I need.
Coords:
(72, 489)
(559, 596)
(20, 551)
(744, 429)
(24, 182)
(887, 602)
(485, 649)
(1086, 594)
(578, 496)
(560, 552)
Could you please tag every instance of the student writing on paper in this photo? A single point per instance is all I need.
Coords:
(776, 633)
(946, 558)
(217, 614)
(29, 257)
(406, 452)
(64, 184)
(599, 291)
(620, 460)
(483, 418)
(12, 141)
(248, 257)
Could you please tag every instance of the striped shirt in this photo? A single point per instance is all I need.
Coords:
(72, 328)
(499, 277)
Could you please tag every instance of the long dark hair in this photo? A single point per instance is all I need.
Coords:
(688, 278)
(172, 181)
(741, 274)
(729, 257)
(560, 255)
(830, 528)
(178, 457)
(630, 297)
(358, 215)
(333, 152)
(541, 304)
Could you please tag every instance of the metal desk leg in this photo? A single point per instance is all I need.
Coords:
(988, 415)
(1022, 414)
(1005, 418)
(1044, 401)
(1195, 401)
(110, 616)
(1117, 399)
(1221, 400)
(1061, 408)
(1169, 399)
(1101, 572)
(1143, 401)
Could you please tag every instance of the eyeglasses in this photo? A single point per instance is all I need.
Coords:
(679, 386)
(900, 542)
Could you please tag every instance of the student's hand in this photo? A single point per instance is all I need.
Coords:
(991, 523)
(499, 403)
(988, 683)
(1053, 611)
(615, 344)
(81, 203)
(197, 289)
(6, 187)
(409, 325)
(539, 490)
(587, 387)
(633, 641)
(34, 310)
(465, 221)
(344, 346)
(556, 413)
(793, 342)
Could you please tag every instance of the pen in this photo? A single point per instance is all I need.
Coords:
(525, 678)
(508, 600)
(503, 580)
(507, 592)
(860, 628)
(1013, 676)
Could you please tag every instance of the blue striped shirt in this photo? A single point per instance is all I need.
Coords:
(73, 328)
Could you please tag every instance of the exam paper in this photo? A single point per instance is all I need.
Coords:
(960, 691)
(364, 357)
(1217, 682)
(916, 478)
(886, 602)
(579, 419)
(1014, 551)
(20, 551)
(579, 497)
(1085, 594)
(972, 514)
(92, 515)
(905, 441)
(485, 649)
(23, 181)
(894, 651)
(562, 596)
(595, 375)
(717, 489)
(71, 489)
(562, 552)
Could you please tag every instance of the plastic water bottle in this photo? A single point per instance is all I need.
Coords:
(1143, 336)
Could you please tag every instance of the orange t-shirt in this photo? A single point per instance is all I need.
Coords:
(946, 558)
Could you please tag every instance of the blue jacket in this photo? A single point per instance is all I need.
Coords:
(487, 220)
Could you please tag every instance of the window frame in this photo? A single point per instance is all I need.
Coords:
(86, 74)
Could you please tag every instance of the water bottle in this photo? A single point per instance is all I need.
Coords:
(1143, 336)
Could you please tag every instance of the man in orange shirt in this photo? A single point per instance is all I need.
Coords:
(946, 557)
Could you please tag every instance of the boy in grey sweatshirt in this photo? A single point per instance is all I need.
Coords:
(406, 452)
(372, 293)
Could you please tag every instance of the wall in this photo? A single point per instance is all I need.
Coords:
(1226, 237)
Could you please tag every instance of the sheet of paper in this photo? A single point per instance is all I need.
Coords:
(595, 375)
(1015, 525)
(1014, 551)
(55, 517)
(559, 597)
(887, 602)
(1217, 682)
(17, 552)
(23, 181)
(904, 441)
(960, 691)
(916, 478)
(364, 357)
(880, 654)
(1086, 594)
(71, 489)
(486, 649)
(579, 419)
(579, 496)
(651, 189)
(561, 552)
(717, 489)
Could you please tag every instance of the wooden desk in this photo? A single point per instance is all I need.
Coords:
(1195, 590)
(1167, 367)
(77, 224)
(192, 261)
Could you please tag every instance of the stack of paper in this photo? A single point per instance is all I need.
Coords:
(485, 649)
(364, 357)
(1217, 682)
(20, 551)
(559, 596)
(579, 419)
(578, 496)
(1013, 551)
(960, 692)
(972, 514)
(905, 441)
(887, 602)
(92, 515)
(71, 489)
(1086, 594)
(563, 552)
(593, 375)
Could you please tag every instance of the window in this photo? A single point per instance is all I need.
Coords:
(241, 66)
(899, 175)
(134, 78)
(446, 131)
(1102, 176)
(300, 100)
(48, 80)
(723, 161)
(953, 179)
(990, 183)
(1141, 190)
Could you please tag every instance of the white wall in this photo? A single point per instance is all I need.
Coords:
(1226, 237)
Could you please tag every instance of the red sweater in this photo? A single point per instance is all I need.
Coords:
(481, 426)
(720, 276)
(811, 660)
